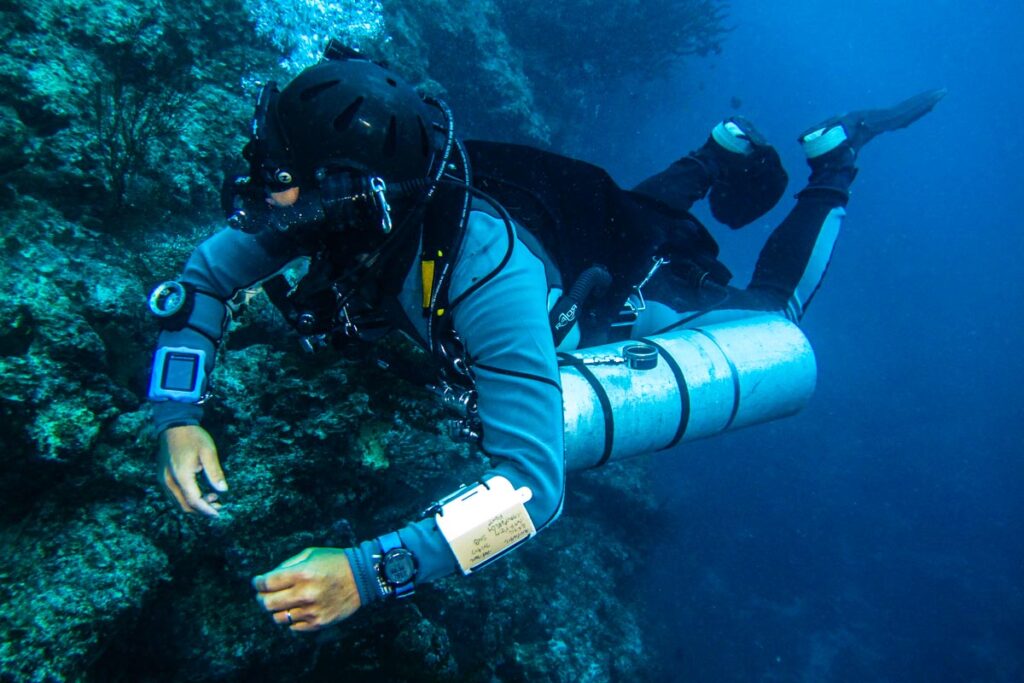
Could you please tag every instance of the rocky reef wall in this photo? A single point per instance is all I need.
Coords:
(116, 123)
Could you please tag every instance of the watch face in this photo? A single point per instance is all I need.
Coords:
(399, 566)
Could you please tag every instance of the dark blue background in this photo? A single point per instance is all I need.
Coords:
(879, 535)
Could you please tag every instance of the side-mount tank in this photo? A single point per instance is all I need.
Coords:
(706, 380)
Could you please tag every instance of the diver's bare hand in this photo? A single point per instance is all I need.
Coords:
(184, 452)
(312, 590)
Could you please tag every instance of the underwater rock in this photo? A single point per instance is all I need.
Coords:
(74, 578)
(15, 150)
(19, 328)
(127, 109)
(422, 650)
(484, 73)
(116, 122)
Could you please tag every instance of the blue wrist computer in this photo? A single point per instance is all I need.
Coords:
(179, 374)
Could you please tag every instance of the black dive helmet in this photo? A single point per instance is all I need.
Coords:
(356, 132)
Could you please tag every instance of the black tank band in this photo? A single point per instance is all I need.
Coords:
(602, 397)
(684, 393)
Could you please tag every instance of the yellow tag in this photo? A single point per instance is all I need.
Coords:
(427, 274)
(485, 521)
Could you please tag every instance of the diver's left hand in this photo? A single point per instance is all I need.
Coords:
(312, 590)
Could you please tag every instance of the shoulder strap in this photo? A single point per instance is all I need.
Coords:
(444, 227)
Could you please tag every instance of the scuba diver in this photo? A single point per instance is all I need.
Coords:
(492, 256)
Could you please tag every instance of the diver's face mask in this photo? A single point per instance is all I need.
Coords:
(343, 196)
(340, 201)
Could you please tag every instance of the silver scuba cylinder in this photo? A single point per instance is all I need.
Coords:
(707, 380)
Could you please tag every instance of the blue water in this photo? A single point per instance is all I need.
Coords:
(879, 535)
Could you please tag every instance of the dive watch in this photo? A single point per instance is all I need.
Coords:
(395, 567)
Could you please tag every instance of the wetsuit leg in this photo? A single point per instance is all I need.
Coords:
(680, 185)
(796, 256)
(789, 269)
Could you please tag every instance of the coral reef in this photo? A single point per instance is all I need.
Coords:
(116, 122)
(126, 109)
(300, 29)
(482, 72)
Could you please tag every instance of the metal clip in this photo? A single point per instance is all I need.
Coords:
(313, 342)
(458, 400)
(659, 261)
(237, 219)
(455, 354)
(463, 431)
(461, 366)
(630, 312)
(350, 328)
(378, 188)
(635, 309)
